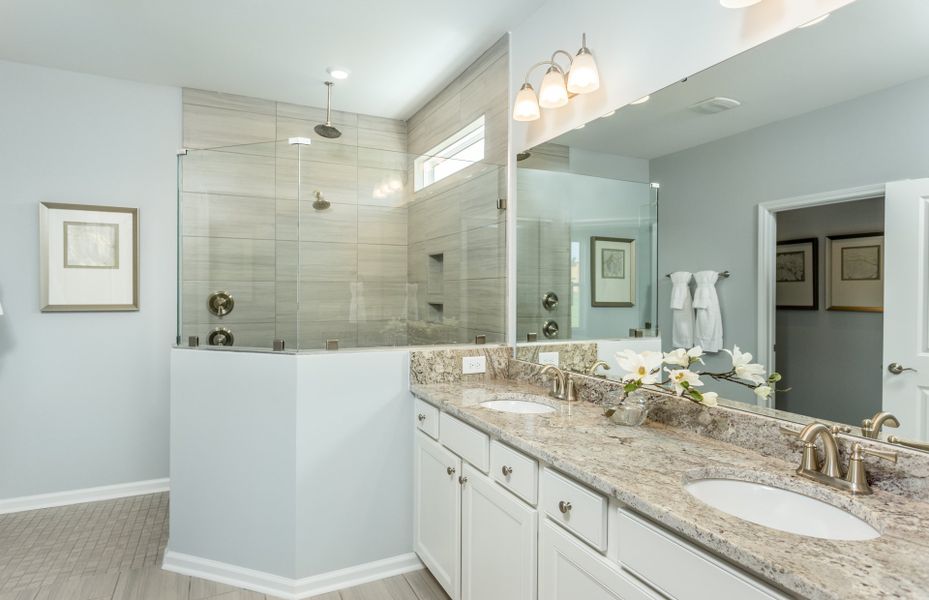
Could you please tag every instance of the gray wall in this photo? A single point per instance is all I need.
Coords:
(84, 396)
(816, 349)
(873, 139)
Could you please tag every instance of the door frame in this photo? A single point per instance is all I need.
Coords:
(767, 256)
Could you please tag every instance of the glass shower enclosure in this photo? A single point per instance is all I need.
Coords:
(319, 245)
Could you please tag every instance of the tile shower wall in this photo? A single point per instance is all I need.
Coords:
(457, 247)
(240, 224)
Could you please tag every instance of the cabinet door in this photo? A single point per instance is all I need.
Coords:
(437, 512)
(570, 570)
(498, 542)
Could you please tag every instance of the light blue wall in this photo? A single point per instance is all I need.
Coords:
(84, 396)
(709, 194)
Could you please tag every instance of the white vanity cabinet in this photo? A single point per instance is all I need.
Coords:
(498, 541)
(437, 511)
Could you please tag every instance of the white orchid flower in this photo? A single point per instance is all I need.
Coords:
(644, 367)
(710, 399)
(745, 368)
(683, 358)
(763, 391)
(681, 376)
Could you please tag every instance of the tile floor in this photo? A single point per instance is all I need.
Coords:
(112, 550)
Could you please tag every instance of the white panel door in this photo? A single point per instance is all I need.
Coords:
(437, 512)
(906, 306)
(570, 570)
(498, 542)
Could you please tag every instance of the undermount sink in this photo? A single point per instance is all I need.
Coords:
(780, 509)
(523, 407)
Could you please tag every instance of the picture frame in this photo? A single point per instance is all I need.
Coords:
(612, 272)
(89, 258)
(855, 272)
(797, 274)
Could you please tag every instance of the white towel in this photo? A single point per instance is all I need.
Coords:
(708, 332)
(682, 311)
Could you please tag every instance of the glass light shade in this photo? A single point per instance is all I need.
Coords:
(583, 77)
(552, 93)
(526, 107)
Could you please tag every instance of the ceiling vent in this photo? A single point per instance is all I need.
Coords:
(711, 106)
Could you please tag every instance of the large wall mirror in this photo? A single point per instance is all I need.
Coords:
(795, 175)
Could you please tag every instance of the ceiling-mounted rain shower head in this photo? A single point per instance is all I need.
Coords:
(521, 156)
(327, 130)
(320, 203)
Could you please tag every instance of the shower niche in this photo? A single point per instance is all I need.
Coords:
(323, 242)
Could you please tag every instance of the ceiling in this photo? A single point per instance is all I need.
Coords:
(864, 47)
(399, 52)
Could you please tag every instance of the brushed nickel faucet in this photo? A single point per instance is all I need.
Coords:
(830, 472)
(592, 370)
(871, 428)
(563, 386)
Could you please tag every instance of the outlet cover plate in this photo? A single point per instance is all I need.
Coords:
(548, 358)
(473, 364)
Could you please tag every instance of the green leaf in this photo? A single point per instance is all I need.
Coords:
(631, 387)
(696, 395)
(774, 377)
(685, 385)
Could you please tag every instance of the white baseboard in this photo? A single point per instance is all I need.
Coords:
(289, 589)
(94, 494)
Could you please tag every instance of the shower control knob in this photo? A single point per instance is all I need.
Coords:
(221, 337)
(550, 301)
(220, 303)
(550, 329)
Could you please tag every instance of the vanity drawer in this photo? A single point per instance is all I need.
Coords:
(465, 441)
(679, 569)
(578, 508)
(515, 471)
(427, 418)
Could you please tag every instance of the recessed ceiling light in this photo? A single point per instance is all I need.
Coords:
(337, 73)
(815, 21)
(609, 114)
(711, 106)
(738, 3)
(581, 126)
(641, 100)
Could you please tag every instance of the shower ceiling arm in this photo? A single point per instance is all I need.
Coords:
(329, 85)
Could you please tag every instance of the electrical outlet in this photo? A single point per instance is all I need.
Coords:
(548, 358)
(473, 364)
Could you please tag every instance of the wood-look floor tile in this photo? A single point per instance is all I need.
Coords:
(202, 588)
(20, 595)
(425, 585)
(238, 594)
(329, 596)
(88, 587)
(392, 588)
(152, 583)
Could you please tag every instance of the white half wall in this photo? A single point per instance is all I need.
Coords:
(640, 47)
(84, 396)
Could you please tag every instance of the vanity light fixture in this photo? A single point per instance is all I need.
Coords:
(337, 73)
(815, 21)
(738, 3)
(558, 84)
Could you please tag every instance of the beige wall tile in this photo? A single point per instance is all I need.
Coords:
(312, 335)
(381, 124)
(287, 128)
(384, 159)
(228, 101)
(206, 259)
(337, 181)
(221, 215)
(316, 114)
(245, 335)
(383, 333)
(484, 252)
(209, 127)
(382, 225)
(220, 172)
(394, 141)
(433, 217)
(326, 261)
(381, 263)
(254, 301)
(338, 223)
(383, 187)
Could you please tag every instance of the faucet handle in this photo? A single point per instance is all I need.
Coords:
(858, 450)
(837, 429)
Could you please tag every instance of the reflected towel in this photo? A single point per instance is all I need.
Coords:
(682, 312)
(708, 331)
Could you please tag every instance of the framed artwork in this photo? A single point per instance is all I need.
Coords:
(612, 271)
(89, 257)
(797, 274)
(855, 272)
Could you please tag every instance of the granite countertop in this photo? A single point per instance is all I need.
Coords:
(645, 467)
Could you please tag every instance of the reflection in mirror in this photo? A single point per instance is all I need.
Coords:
(800, 166)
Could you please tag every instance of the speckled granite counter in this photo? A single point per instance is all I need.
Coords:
(645, 467)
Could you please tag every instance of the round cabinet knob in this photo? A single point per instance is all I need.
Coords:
(897, 368)
(564, 507)
(550, 329)
(450, 471)
(507, 471)
(421, 417)
(462, 479)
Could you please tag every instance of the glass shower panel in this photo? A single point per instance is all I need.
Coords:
(230, 223)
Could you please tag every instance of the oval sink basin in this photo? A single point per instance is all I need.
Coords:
(780, 509)
(518, 406)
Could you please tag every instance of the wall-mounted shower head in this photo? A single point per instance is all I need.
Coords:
(327, 130)
(320, 203)
(521, 156)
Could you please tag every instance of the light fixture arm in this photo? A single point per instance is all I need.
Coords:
(566, 53)
(543, 63)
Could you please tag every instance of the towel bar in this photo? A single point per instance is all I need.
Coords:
(722, 274)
